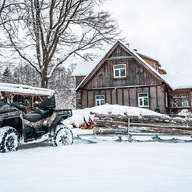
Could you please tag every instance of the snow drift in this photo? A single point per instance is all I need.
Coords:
(80, 114)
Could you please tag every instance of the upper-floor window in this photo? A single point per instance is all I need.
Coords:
(143, 100)
(99, 100)
(119, 70)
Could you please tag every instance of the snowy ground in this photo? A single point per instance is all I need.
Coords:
(104, 167)
(108, 166)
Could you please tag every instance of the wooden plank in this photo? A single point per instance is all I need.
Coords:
(81, 97)
(143, 118)
(156, 97)
(105, 96)
(111, 96)
(87, 99)
(116, 92)
(136, 97)
(123, 131)
(121, 124)
(129, 96)
(119, 57)
(149, 96)
(122, 96)
(164, 98)
(93, 98)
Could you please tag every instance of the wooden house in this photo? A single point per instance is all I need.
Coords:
(15, 93)
(124, 77)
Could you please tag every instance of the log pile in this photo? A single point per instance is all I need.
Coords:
(85, 125)
(117, 124)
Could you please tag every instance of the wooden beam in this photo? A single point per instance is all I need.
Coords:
(116, 96)
(136, 98)
(93, 98)
(122, 96)
(164, 99)
(105, 96)
(120, 87)
(149, 91)
(119, 57)
(87, 99)
(157, 97)
(111, 96)
(81, 98)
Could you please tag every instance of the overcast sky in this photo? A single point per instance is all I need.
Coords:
(161, 29)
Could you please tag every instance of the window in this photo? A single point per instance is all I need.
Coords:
(180, 100)
(99, 100)
(143, 100)
(119, 70)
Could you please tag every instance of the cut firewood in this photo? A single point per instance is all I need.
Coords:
(117, 124)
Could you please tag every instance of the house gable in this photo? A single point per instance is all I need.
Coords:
(138, 72)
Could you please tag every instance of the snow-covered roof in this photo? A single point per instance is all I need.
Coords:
(178, 80)
(25, 89)
(84, 68)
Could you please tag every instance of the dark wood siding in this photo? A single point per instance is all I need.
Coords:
(137, 75)
(124, 91)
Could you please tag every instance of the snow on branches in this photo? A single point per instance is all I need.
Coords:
(51, 32)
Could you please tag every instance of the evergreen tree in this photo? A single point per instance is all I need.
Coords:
(7, 76)
(61, 82)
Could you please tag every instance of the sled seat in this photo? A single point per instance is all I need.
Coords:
(37, 115)
(34, 117)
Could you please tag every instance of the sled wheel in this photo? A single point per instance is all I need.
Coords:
(63, 136)
(9, 140)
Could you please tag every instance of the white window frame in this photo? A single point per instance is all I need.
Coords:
(143, 99)
(99, 100)
(119, 70)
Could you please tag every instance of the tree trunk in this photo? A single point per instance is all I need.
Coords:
(44, 81)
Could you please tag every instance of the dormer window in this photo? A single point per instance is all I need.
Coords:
(119, 70)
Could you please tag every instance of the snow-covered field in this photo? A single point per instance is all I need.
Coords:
(107, 166)
(104, 167)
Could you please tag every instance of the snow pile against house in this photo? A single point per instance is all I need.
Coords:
(185, 113)
(82, 115)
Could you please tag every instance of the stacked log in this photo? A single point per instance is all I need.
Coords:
(118, 124)
(85, 125)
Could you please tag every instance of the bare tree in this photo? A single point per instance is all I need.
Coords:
(54, 30)
(7, 7)
(2, 5)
